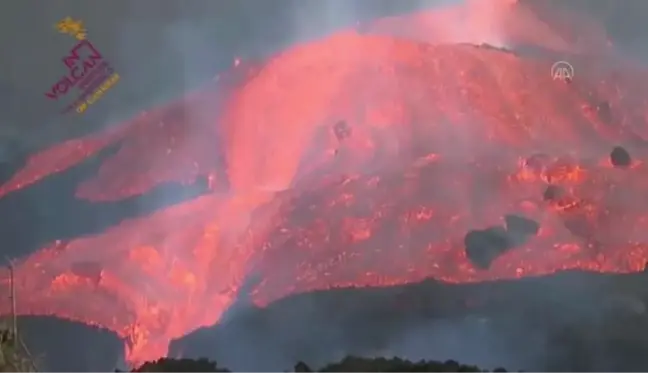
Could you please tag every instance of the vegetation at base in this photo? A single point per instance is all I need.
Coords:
(12, 359)
(348, 364)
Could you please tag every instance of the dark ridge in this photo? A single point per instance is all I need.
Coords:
(570, 321)
(48, 210)
(348, 364)
(64, 346)
(180, 365)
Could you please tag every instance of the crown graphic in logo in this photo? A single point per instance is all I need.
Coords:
(72, 27)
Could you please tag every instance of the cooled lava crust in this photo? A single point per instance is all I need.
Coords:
(354, 160)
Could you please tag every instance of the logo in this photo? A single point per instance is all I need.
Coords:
(562, 70)
(72, 27)
(88, 73)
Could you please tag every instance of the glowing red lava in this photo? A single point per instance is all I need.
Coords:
(432, 140)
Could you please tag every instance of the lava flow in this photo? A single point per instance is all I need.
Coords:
(356, 160)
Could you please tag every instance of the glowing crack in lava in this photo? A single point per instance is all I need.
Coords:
(355, 160)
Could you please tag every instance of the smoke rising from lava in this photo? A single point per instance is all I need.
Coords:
(439, 136)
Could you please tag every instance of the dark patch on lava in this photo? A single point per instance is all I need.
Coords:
(620, 157)
(484, 246)
(521, 225)
(552, 193)
(90, 270)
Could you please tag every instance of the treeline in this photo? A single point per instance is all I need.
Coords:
(348, 364)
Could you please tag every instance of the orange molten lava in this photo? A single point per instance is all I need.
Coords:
(439, 142)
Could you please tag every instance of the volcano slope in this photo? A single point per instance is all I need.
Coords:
(355, 160)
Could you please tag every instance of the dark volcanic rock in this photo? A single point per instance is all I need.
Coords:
(620, 157)
(484, 246)
(520, 225)
(552, 193)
